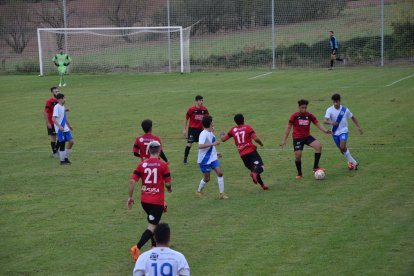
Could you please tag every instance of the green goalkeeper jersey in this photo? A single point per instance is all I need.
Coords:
(62, 60)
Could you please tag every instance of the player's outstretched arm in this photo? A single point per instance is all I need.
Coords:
(323, 129)
(257, 140)
(168, 187)
(356, 122)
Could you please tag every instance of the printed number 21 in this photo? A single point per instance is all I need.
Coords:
(151, 173)
(166, 269)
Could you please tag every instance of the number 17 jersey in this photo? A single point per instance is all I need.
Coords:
(243, 135)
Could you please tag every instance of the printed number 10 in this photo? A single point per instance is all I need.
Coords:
(166, 269)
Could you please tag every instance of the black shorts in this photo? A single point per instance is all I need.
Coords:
(154, 212)
(193, 135)
(299, 143)
(51, 131)
(252, 159)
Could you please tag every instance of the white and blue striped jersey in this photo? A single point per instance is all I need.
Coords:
(207, 155)
(60, 114)
(332, 114)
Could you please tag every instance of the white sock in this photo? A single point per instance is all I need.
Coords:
(62, 155)
(68, 152)
(348, 157)
(201, 186)
(220, 181)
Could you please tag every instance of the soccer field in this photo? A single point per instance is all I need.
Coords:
(73, 220)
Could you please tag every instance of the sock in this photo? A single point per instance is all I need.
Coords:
(186, 152)
(348, 157)
(331, 62)
(339, 59)
(144, 238)
(62, 155)
(68, 152)
(53, 146)
(201, 185)
(299, 167)
(316, 161)
(259, 179)
(220, 180)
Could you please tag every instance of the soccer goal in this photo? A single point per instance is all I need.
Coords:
(105, 50)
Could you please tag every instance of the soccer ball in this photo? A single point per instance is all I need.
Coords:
(319, 175)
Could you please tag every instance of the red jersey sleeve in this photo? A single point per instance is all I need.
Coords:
(291, 120)
(166, 173)
(188, 114)
(135, 148)
(313, 119)
(136, 175)
(251, 132)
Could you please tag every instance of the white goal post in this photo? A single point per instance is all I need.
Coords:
(112, 49)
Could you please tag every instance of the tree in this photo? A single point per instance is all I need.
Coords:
(52, 16)
(126, 13)
(15, 28)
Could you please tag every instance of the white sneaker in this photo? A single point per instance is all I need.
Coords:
(64, 84)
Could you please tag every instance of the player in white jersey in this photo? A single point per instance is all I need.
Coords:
(337, 116)
(208, 157)
(63, 129)
(161, 260)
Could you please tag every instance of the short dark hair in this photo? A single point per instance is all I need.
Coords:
(206, 121)
(154, 149)
(198, 97)
(53, 88)
(146, 125)
(336, 97)
(162, 233)
(331, 32)
(303, 102)
(239, 119)
(60, 96)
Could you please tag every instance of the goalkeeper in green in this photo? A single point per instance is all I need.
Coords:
(62, 61)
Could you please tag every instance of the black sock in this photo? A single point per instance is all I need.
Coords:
(331, 62)
(144, 238)
(316, 161)
(259, 179)
(339, 59)
(299, 167)
(54, 146)
(186, 152)
(153, 244)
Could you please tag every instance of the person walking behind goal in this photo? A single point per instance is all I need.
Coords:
(162, 260)
(155, 175)
(192, 125)
(243, 135)
(334, 45)
(301, 122)
(63, 130)
(208, 157)
(337, 117)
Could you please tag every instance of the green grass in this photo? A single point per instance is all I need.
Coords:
(73, 220)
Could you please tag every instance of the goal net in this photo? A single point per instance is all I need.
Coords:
(104, 50)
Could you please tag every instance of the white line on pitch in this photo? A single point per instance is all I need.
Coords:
(261, 75)
(397, 81)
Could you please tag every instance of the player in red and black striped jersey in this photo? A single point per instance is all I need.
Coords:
(141, 144)
(155, 175)
(192, 125)
(243, 135)
(301, 121)
(47, 114)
